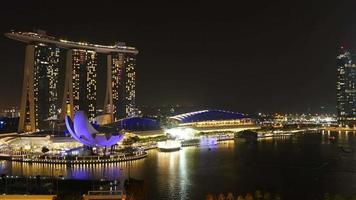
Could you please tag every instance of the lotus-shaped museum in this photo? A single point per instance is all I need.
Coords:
(84, 132)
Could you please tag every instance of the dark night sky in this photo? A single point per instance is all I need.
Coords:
(267, 56)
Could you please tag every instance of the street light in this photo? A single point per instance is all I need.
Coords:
(101, 184)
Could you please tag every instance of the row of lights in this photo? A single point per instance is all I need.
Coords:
(137, 156)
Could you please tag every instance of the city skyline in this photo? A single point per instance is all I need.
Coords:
(178, 100)
(235, 59)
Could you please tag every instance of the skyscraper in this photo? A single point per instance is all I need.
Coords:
(80, 82)
(346, 88)
(39, 100)
(130, 85)
(121, 80)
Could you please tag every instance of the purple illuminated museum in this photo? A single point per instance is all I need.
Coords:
(84, 132)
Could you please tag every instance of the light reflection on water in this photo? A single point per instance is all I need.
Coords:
(308, 160)
(167, 163)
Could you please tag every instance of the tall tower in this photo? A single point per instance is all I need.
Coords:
(346, 89)
(80, 83)
(121, 83)
(39, 102)
(130, 85)
(39, 99)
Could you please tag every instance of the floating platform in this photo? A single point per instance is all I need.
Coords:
(78, 160)
(169, 145)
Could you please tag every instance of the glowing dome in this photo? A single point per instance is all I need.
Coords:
(82, 131)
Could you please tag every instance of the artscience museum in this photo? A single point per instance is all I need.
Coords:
(84, 132)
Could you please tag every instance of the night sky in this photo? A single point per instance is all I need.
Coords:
(250, 56)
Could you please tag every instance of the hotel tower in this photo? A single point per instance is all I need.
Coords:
(40, 92)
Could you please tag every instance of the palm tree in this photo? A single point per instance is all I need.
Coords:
(209, 197)
(230, 196)
(221, 197)
(240, 197)
(248, 196)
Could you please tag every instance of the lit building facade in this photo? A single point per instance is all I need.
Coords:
(213, 120)
(41, 73)
(46, 70)
(121, 83)
(130, 85)
(346, 89)
(80, 82)
(39, 101)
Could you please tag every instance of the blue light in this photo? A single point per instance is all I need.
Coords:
(2, 125)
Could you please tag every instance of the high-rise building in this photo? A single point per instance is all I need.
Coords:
(130, 85)
(80, 82)
(346, 88)
(115, 86)
(39, 100)
(120, 94)
(39, 103)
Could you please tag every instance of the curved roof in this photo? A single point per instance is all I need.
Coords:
(208, 115)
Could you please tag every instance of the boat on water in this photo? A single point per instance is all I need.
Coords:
(272, 135)
(345, 149)
(332, 138)
(169, 145)
(208, 141)
(265, 135)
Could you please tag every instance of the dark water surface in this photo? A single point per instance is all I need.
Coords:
(305, 166)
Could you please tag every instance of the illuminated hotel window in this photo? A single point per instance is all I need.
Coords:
(46, 70)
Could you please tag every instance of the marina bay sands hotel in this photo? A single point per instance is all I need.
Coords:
(40, 92)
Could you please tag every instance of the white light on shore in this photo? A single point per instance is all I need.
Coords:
(181, 132)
